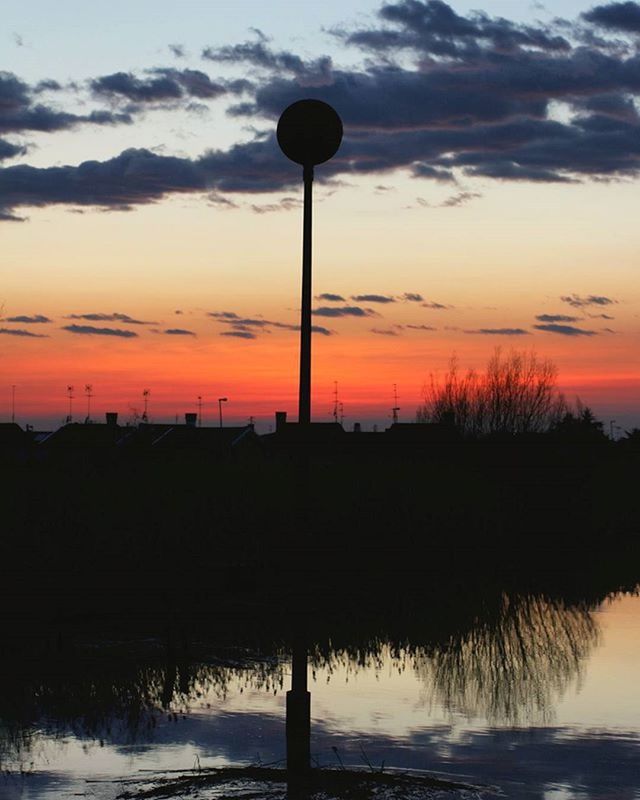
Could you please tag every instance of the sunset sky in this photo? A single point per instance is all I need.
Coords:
(485, 194)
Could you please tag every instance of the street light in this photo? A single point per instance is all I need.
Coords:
(221, 400)
(309, 133)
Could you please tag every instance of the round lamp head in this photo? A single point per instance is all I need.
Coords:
(309, 132)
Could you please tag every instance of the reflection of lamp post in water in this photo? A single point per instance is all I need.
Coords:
(309, 133)
(221, 400)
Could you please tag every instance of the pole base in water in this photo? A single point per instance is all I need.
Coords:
(298, 731)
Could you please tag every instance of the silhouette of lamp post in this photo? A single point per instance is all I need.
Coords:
(309, 133)
(221, 400)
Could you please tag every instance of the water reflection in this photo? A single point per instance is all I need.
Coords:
(511, 663)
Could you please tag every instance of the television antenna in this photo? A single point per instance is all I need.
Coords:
(396, 407)
(89, 392)
(70, 396)
(145, 413)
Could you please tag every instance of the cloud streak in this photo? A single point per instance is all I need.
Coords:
(90, 330)
(22, 333)
(565, 330)
(26, 319)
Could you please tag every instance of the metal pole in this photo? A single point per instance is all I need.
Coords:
(13, 403)
(220, 411)
(304, 407)
(298, 724)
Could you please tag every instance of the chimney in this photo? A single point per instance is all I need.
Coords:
(112, 417)
(281, 420)
(356, 427)
(191, 419)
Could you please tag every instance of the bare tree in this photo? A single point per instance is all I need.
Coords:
(516, 394)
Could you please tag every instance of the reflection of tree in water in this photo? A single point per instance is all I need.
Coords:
(510, 662)
(514, 666)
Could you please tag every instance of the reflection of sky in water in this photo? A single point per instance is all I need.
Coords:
(587, 741)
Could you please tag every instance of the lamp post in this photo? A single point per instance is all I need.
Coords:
(309, 133)
(221, 400)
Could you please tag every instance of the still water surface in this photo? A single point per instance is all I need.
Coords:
(547, 708)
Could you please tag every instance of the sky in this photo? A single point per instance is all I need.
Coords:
(485, 195)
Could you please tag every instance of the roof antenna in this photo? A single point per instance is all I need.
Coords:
(89, 392)
(70, 394)
(396, 407)
(145, 395)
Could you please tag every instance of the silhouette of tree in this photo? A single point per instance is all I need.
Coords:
(516, 394)
(579, 425)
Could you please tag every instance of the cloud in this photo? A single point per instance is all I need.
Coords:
(260, 55)
(412, 297)
(600, 316)
(435, 306)
(251, 324)
(113, 317)
(29, 320)
(565, 330)
(501, 331)
(239, 334)
(178, 50)
(384, 331)
(328, 297)
(286, 204)
(178, 332)
(90, 330)
(344, 311)
(22, 332)
(616, 16)
(420, 328)
(577, 301)
(160, 85)
(20, 111)
(373, 298)
(556, 318)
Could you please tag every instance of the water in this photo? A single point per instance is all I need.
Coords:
(542, 703)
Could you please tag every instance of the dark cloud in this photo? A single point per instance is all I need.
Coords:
(239, 334)
(384, 331)
(577, 301)
(600, 316)
(259, 54)
(328, 297)
(412, 297)
(113, 317)
(178, 332)
(90, 330)
(556, 318)
(10, 150)
(251, 324)
(453, 201)
(420, 328)
(344, 311)
(616, 16)
(29, 320)
(22, 332)
(502, 331)
(178, 50)
(19, 111)
(373, 298)
(435, 306)
(564, 330)
(159, 85)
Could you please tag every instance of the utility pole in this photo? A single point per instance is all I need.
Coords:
(145, 414)
(335, 401)
(89, 391)
(396, 407)
(199, 410)
(13, 403)
(70, 394)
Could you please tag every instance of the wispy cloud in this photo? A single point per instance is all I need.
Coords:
(577, 301)
(344, 311)
(412, 297)
(420, 328)
(22, 332)
(239, 334)
(329, 297)
(500, 332)
(113, 317)
(90, 330)
(565, 330)
(178, 332)
(29, 320)
(252, 324)
(435, 306)
(384, 331)
(286, 204)
(373, 298)
(556, 318)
